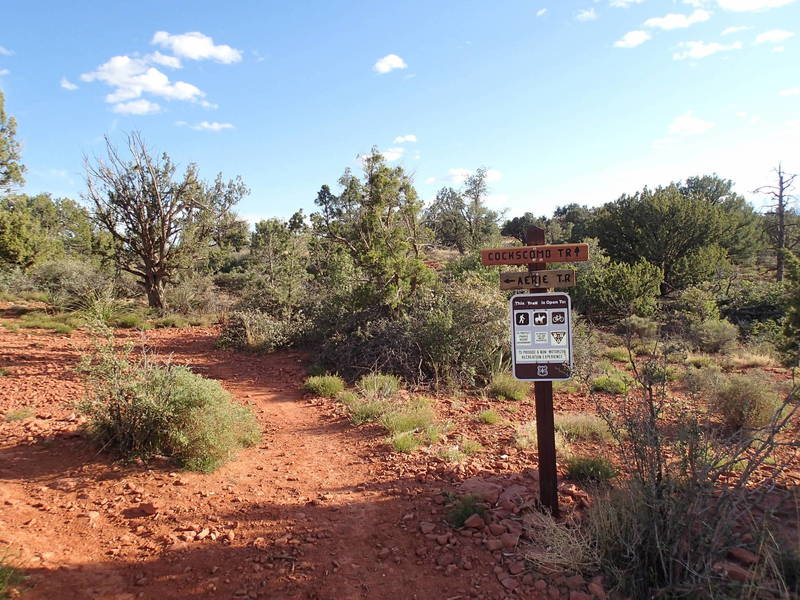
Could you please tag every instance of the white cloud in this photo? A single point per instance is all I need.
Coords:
(624, 3)
(132, 77)
(458, 175)
(401, 139)
(632, 39)
(393, 154)
(586, 14)
(541, 12)
(752, 5)
(67, 84)
(4, 72)
(774, 36)
(778, 48)
(737, 29)
(702, 49)
(163, 59)
(206, 126)
(678, 21)
(196, 46)
(388, 63)
(688, 124)
(790, 92)
(5, 51)
(430, 180)
(136, 107)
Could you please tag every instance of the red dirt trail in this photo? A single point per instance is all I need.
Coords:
(315, 511)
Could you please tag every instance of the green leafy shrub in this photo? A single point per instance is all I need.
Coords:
(592, 469)
(581, 426)
(640, 327)
(469, 446)
(489, 417)
(705, 380)
(744, 401)
(612, 383)
(254, 330)
(405, 442)
(193, 294)
(58, 323)
(413, 416)
(69, 282)
(140, 409)
(378, 385)
(462, 508)
(617, 354)
(171, 321)
(505, 387)
(324, 386)
(367, 411)
(714, 335)
(9, 576)
(700, 360)
(347, 397)
(129, 321)
(695, 305)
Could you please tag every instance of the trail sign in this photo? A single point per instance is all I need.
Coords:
(541, 336)
(554, 278)
(535, 254)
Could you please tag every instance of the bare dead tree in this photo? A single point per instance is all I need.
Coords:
(782, 197)
(158, 222)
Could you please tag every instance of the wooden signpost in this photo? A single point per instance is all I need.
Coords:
(538, 279)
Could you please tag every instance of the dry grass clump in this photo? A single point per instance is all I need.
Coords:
(378, 385)
(744, 401)
(505, 387)
(581, 426)
(489, 417)
(324, 386)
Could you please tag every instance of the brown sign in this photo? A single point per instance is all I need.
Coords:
(535, 254)
(556, 278)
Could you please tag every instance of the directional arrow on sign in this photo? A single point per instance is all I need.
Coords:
(555, 278)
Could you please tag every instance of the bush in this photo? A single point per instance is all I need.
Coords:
(170, 321)
(640, 327)
(617, 354)
(253, 330)
(405, 442)
(469, 446)
(190, 295)
(377, 385)
(614, 383)
(582, 426)
(714, 335)
(19, 414)
(366, 411)
(696, 305)
(703, 380)
(129, 321)
(140, 409)
(744, 401)
(463, 508)
(59, 323)
(414, 416)
(505, 386)
(9, 576)
(490, 417)
(69, 282)
(590, 469)
(324, 386)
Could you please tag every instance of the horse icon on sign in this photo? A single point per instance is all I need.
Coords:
(540, 318)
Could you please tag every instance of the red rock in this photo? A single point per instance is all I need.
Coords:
(732, 571)
(474, 521)
(146, 509)
(445, 558)
(597, 590)
(553, 592)
(384, 553)
(442, 539)
(496, 529)
(509, 583)
(509, 540)
(743, 555)
(516, 567)
(485, 490)
(575, 582)
(426, 527)
(574, 595)
(494, 544)
(528, 579)
(540, 585)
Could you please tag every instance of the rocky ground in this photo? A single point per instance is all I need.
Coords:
(320, 509)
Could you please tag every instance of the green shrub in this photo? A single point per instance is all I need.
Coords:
(414, 416)
(640, 327)
(592, 469)
(9, 576)
(324, 386)
(469, 446)
(703, 380)
(170, 321)
(71, 282)
(128, 321)
(505, 386)
(254, 330)
(59, 323)
(348, 398)
(141, 409)
(19, 414)
(613, 383)
(617, 354)
(406, 441)
(714, 335)
(490, 417)
(745, 401)
(451, 454)
(526, 437)
(701, 360)
(695, 305)
(366, 411)
(191, 295)
(462, 508)
(580, 426)
(3, 372)
(378, 385)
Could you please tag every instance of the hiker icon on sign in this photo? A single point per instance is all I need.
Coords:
(559, 318)
(522, 318)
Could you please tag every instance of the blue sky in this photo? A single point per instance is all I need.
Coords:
(565, 101)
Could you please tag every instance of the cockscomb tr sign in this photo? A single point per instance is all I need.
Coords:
(541, 336)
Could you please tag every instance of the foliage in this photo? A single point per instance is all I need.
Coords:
(581, 426)
(611, 383)
(591, 469)
(695, 305)
(617, 354)
(191, 294)
(790, 346)
(378, 385)
(9, 574)
(640, 327)
(254, 330)
(505, 387)
(704, 379)
(20, 414)
(71, 283)
(159, 224)
(462, 508)
(745, 402)
(489, 417)
(324, 386)
(140, 409)
(469, 446)
(11, 169)
(405, 441)
(713, 335)
(609, 290)
(414, 416)
(556, 230)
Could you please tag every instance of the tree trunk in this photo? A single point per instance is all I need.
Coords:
(781, 226)
(154, 288)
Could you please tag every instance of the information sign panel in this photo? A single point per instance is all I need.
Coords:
(541, 336)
